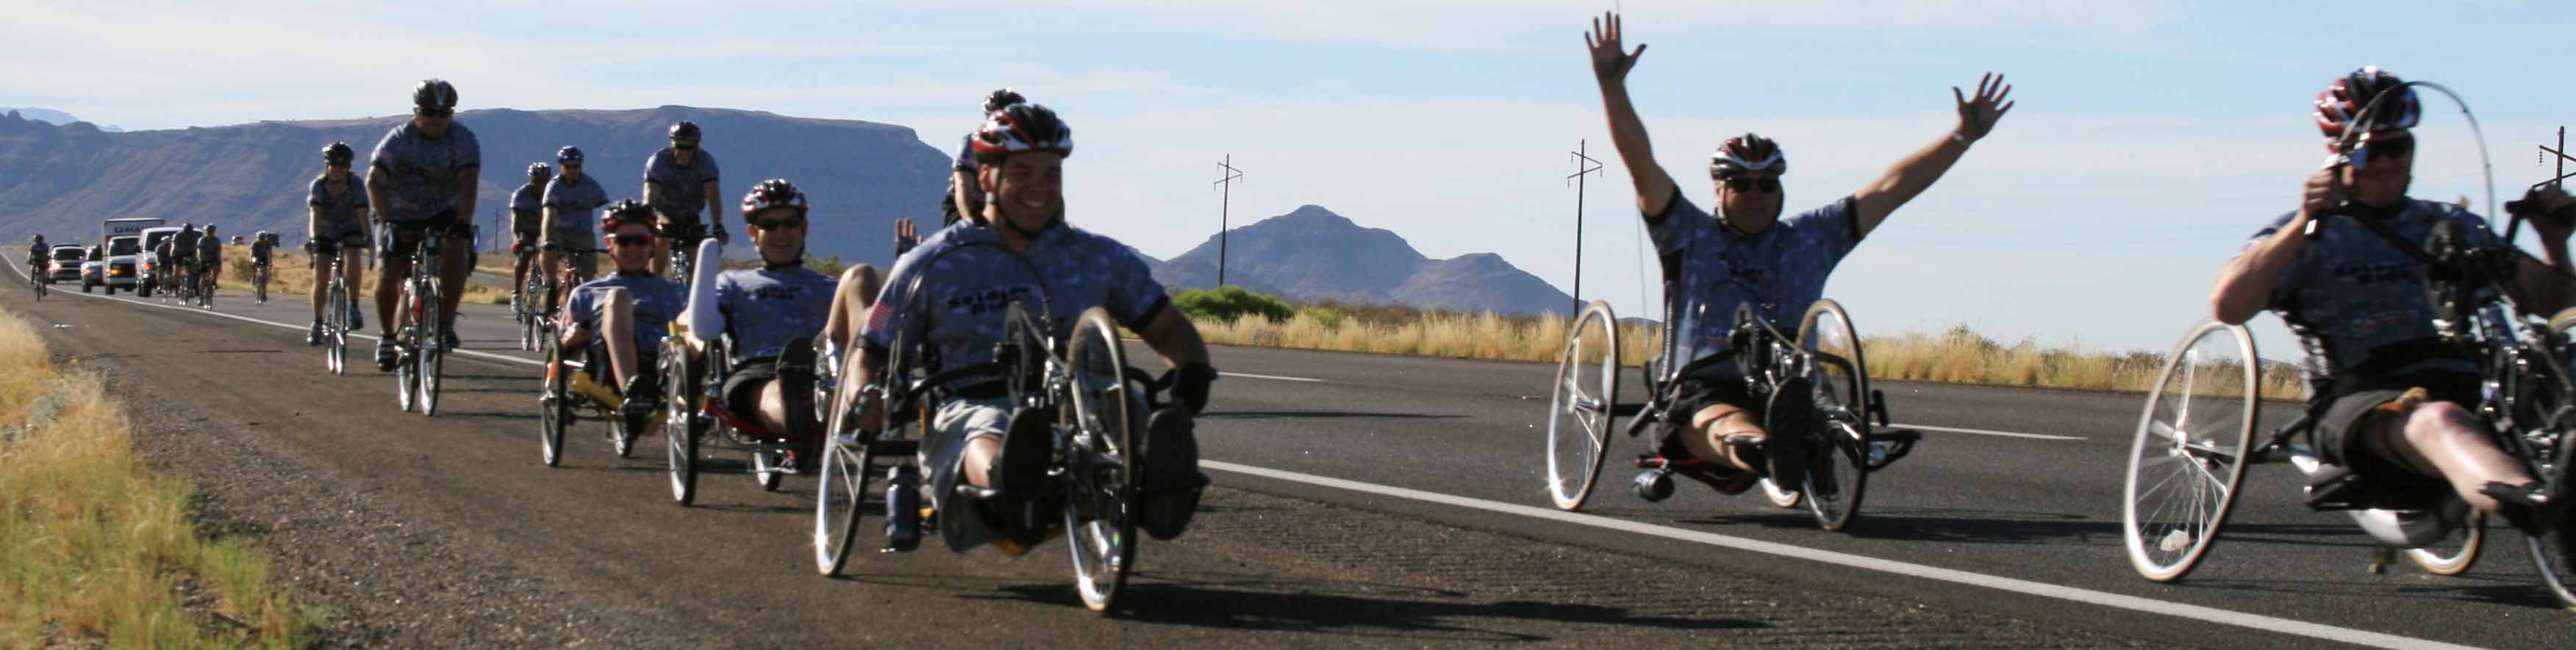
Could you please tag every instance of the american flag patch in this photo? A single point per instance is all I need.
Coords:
(880, 317)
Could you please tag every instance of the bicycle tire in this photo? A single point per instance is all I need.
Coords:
(681, 423)
(2223, 355)
(1102, 439)
(1839, 478)
(1582, 406)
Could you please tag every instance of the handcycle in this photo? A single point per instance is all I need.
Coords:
(2527, 407)
(2196, 437)
(419, 332)
(1076, 390)
(1848, 442)
(574, 388)
(693, 413)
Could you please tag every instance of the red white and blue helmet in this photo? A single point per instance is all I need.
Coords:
(2343, 101)
(540, 170)
(623, 212)
(1021, 128)
(1745, 154)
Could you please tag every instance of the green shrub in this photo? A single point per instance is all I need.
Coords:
(1325, 316)
(1230, 302)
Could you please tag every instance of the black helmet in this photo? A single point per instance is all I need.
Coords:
(685, 131)
(568, 154)
(433, 93)
(1001, 98)
(1018, 128)
(40, 238)
(772, 193)
(540, 171)
(1746, 153)
(337, 154)
(2343, 101)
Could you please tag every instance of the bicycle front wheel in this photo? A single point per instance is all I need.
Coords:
(1101, 458)
(2189, 455)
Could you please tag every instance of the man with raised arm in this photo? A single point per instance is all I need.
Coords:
(1747, 253)
(2399, 416)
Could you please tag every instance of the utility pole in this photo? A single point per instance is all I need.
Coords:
(1583, 165)
(1226, 187)
(2561, 153)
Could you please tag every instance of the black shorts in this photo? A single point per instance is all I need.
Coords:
(685, 228)
(1700, 391)
(2383, 474)
(741, 390)
(405, 235)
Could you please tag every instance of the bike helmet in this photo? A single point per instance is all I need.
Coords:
(685, 131)
(538, 171)
(433, 93)
(1021, 128)
(2343, 101)
(567, 154)
(618, 214)
(1001, 98)
(773, 193)
(338, 154)
(40, 239)
(1747, 153)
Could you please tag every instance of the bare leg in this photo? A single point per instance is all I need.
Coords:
(454, 267)
(2442, 439)
(617, 324)
(662, 255)
(773, 406)
(389, 279)
(850, 302)
(983, 454)
(322, 282)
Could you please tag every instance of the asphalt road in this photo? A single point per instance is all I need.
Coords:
(1398, 500)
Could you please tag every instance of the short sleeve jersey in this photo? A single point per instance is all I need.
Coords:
(1709, 270)
(683, 189)
(210, 248)
(657, 302)
(573, 201)
(974, 189)
(764, 308)
(261, 250)
(184, 244)
(2358, 303)
(527, 207)
(421, 170)
(967, 280)
(348, 208)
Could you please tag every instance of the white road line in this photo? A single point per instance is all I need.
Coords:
(1983, 432)
(2041, 589)
(1271, 377)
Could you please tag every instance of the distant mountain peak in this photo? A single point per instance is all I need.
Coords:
(1314, 253)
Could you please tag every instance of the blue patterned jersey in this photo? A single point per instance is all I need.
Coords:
(346, 210)
(420, 171)
(2359, 304)
(968, 279)
(657, 302)
(527, 207)
(573, 201)
(763, 308)
(683, 189)
(1709, 271)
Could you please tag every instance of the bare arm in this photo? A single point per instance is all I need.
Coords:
(651, 197)
(1909, 177)
(378, 197)
(468, 183)
(957, 183)
(715, 205)
(312, 221)
(1176, 338)
(2548, 285)
(546, 227)
(1610, 65)
(2244, 285)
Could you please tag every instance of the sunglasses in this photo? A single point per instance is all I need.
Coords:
(435, 112)
(2368, 152)
(574, 167)
(683, 147)
(630, 240)
(774, 224)
(1769, 185)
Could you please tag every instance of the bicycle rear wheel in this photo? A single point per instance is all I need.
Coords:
(1101, 458)
(2455, 553)
(841, 498)
(1839, 476)
(335, 328)
(681, 424)
(1580, 406)
(432, 347)
(2189, 455)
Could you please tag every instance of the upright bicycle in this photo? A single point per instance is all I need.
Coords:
(419, 334)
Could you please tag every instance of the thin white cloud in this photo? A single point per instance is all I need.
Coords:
(1505, 24)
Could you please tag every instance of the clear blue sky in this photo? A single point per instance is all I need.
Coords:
(2151, 138)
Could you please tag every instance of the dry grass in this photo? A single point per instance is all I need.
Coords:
(291, 273)
(1956, 356)
(95, 549)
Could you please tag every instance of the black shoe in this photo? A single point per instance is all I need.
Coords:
(313, 334)
(1792, 431)
(903, 509)
(385, 358)
(1172, 477)
(796, 383)
(638, 401)
(1020, 476)
(447, 337)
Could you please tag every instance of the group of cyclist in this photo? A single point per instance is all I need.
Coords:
(193, 260)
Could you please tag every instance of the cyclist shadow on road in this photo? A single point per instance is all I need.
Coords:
(1364, 609)
(2483, 586)
(1307, 415)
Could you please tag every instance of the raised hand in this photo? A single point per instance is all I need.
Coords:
(1610, 62)
(904, 236)
(1978, 116)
